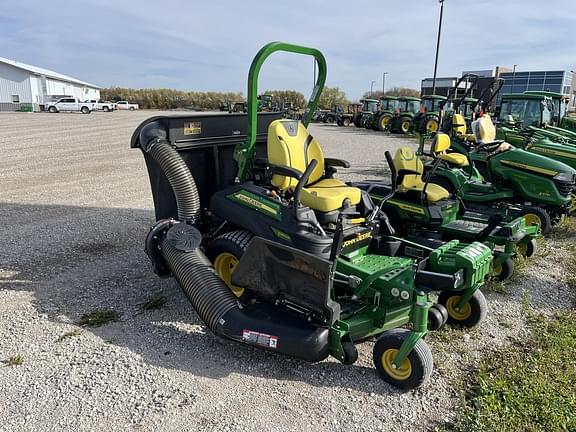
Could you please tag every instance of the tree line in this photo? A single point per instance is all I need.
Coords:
(166, 99)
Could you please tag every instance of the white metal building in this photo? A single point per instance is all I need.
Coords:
(25, 88)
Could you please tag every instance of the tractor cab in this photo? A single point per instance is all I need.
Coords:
(427, 120)
(389, 103)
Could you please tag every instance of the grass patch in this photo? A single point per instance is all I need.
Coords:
(527, 387)
(99, 318)
(153, 303)
(69, 335)
(16, 360)
(566, 228)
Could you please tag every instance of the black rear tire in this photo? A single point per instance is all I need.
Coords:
(537, 214)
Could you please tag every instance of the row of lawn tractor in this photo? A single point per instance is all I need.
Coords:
(274, 251)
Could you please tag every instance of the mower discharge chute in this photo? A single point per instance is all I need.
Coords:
(275, 252)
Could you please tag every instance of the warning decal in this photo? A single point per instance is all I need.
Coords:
(261, 339)
(192, 128)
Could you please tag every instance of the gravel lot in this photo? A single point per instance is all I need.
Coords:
(75, 206)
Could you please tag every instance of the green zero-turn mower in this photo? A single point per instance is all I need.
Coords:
(427, 213)
(274, 252)
(403, 119)
(492, 176)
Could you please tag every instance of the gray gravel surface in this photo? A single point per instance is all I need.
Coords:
(75, 206)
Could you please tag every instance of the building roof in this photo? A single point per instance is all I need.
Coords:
(41, 71)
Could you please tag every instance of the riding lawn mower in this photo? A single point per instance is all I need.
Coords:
(275, 252)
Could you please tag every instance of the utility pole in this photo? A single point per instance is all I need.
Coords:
(437, 46)
(371, 87)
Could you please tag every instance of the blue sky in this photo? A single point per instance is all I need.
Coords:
(192, 45)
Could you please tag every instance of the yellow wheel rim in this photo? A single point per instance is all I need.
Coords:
(497, 271)
(384, 122)
(458, 314)
(405, 126)
(432, 126)
(532, 219)
(224, 265)
(522, 249)
(400, 373)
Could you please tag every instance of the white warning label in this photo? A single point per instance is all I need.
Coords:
(261, 339)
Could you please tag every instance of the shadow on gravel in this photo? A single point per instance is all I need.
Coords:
(75, 260)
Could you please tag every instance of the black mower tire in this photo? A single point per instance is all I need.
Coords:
(420, 360)
(528, 249)
(232, 243)
(538, 213)
(350, 353)
(504, 271)
(473, 313)
(437, 317)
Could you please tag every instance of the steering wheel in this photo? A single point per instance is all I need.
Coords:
(489, 147)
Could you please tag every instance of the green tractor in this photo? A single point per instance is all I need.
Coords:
(534, 115)
(346, 118)
(403, 119)
(381, 119)
(274, 252)
(332, 116)
(425, 212)
(427, 120)
(369, 107)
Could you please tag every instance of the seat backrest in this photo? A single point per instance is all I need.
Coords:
(484, 129)
(458, 124)
(290, 144)
(405, 158)
(440, 143)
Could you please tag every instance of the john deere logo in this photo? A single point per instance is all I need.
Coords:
(357, 239)
(257, 203)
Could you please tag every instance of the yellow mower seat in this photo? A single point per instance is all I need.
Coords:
(485, 132)
(440, 145)
(406, 159)
(459, 128)
(290, 144)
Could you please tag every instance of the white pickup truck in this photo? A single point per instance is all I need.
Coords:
(124, 105)
(69, 105)
(98, 105)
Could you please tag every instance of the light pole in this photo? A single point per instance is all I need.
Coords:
(384, 82)
(371, 87)
(513, 78)
(437, 46)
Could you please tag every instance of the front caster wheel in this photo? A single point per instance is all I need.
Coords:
(437, 317)
(527, 250)
(414, 370)
(469, 315)
(504, 270)
(350, 353)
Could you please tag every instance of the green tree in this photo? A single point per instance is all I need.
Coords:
(394, 91)
(332, 96)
